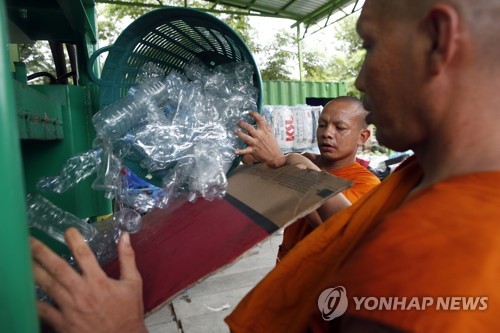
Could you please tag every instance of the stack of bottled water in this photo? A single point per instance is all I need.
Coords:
(294, 126)
(178, 127)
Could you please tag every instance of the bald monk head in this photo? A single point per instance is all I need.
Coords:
(341, 129)
(430, 78)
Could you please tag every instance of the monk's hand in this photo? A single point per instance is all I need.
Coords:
(261, 143)
(301, 162)
(90, 302)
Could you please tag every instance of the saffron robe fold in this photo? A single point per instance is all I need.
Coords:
(363, 181)
(443, 241)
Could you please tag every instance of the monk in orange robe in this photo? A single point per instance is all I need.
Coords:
(375, 249)
(430, 231)
(363, 181)
(341, 130)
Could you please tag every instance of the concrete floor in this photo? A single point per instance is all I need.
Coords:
(203, 307)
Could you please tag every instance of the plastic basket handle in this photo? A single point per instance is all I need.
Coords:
(91, 62)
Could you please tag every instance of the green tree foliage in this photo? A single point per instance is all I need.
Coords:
(112, 19)
(278, 57)
(316, 66)
(347, 61)
(37, 58)
(345, 31)
(342, 64)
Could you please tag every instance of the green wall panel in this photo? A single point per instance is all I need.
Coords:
(296, 92)
(47, 157)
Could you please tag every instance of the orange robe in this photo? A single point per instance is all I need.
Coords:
(443, 241)
(363, 181)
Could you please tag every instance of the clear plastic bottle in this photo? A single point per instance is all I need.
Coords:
(47, 217)
(208, 177)
(76, 169)
(108, 175)
(128, 220)
(115, 120)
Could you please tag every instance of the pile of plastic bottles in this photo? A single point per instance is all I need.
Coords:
(178, 127)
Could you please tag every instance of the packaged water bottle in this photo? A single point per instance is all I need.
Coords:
(45, 216)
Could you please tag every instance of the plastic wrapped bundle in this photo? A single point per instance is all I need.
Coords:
(294, 126)
(305, 122)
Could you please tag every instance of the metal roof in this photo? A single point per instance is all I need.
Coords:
(312, 14)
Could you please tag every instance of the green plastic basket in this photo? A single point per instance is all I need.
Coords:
(170, 38)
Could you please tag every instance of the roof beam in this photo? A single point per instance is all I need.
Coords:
(261, 8)
(233, 12)
(216, 3)
(320, 12)
(288, 4)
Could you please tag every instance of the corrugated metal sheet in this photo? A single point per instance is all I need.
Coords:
(307, 11)
(296, 92)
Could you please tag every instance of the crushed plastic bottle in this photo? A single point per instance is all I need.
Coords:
(76, 169)
(108, 174)
(115, 120)
(47, 217)
(104, 242)
(208, 177)
(128, 220)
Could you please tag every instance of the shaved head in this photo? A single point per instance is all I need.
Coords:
(479, 19)
(341, 130)
(356, 108)
(431, 67)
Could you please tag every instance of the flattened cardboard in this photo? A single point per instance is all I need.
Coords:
(283, 195)
(184, 243)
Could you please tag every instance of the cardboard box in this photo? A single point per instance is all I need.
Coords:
(184, 243)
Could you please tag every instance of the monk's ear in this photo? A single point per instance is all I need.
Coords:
(443, 31)
(363, 136)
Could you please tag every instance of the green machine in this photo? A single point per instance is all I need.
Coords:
(54, 120)
(41, 127)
